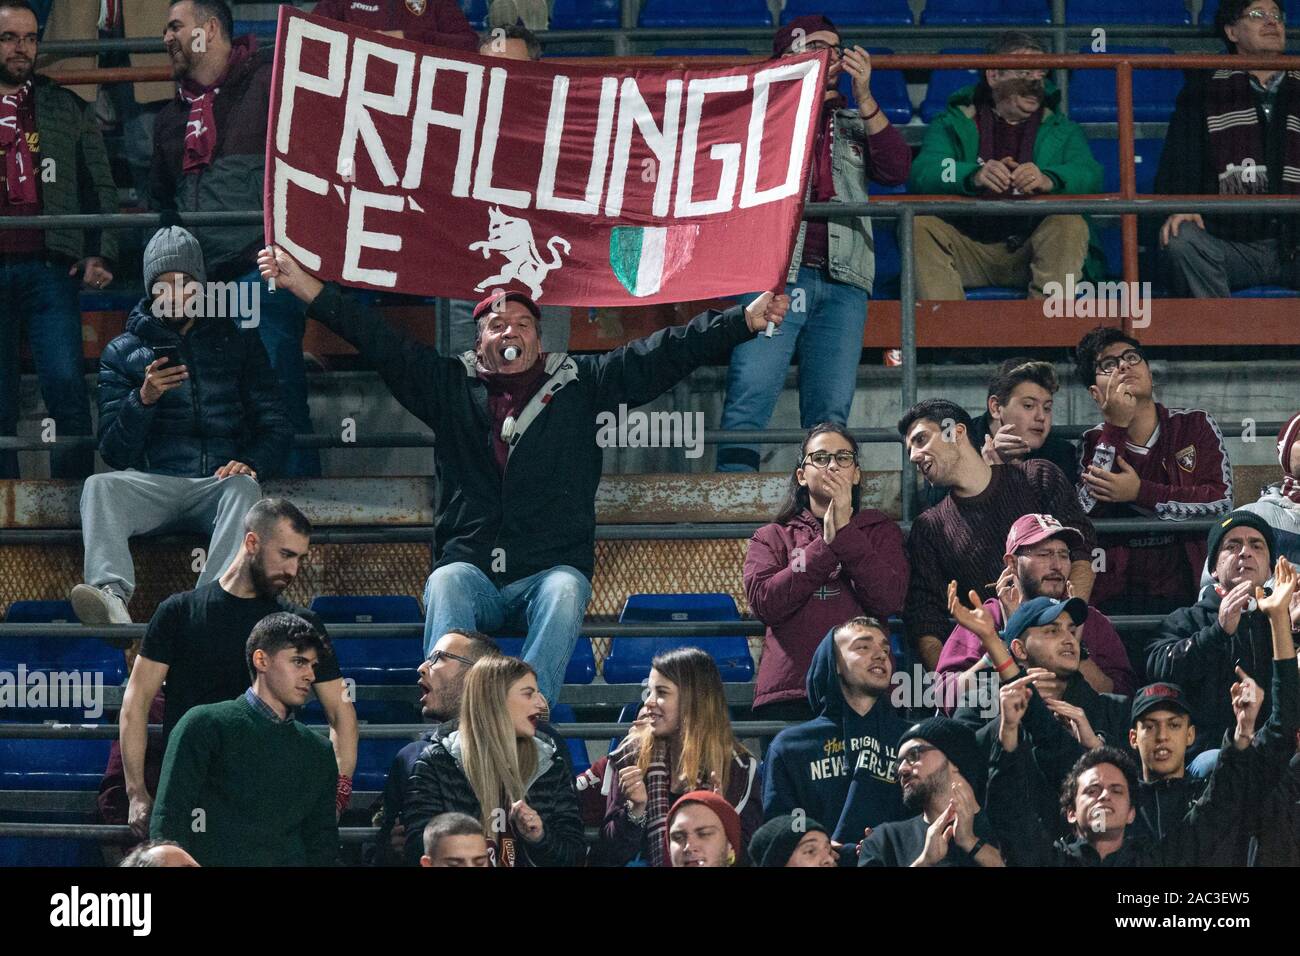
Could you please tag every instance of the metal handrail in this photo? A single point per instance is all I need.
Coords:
(589, 731)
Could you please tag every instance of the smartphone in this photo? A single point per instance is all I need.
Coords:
(172, 353)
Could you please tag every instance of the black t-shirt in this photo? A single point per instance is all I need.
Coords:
(201, 634)
(900, 842)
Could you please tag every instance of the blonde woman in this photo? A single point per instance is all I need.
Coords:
(689, 747)
(493, 764)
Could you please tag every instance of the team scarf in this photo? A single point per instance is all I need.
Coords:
(20, 178)
(1236, 135)
(1286, 439)
(201, 125)
(985, 118)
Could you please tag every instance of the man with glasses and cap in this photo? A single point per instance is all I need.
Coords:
(1146, 461)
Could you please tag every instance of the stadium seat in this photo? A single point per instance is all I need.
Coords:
(27, 764)
(702, 51)
(1266, 292)
(1208, 9)
(994, 293)
(475, 11)
(582, 665)
(374, 758)
(944, 83)
(888, 261)
(1112, 246)
(852, 12)
(1092, 92)
(586, 14)
(1161, 12)
(1146, 154)
(980, 12)
(563, 714)
(37, 851)
(379, 660)
(692, 13)
(887, 86)
(264, 30)
(57, 653)
(629, 657)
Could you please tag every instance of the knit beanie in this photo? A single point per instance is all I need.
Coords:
(1239, 519)
(810, 23)
(774, 842)
(955, 741)
(172, 249)
(719, 805)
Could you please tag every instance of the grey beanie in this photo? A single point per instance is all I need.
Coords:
(172, 249)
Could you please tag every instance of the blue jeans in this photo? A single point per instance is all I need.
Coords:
(281, 321)
(44, 296)
(826, 335)
(549, 604)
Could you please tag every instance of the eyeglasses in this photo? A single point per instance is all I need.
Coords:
(18, 39)
(436, 656)
(822, 459)
(815, 46)
(1047, 555)
(1259, 15)
(914, 755)
(1107, 366)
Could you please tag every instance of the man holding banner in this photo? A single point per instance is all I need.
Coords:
(517, 459)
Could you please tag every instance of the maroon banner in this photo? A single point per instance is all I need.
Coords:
(402, 167)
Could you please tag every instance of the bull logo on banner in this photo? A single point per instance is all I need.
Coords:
(513, 238)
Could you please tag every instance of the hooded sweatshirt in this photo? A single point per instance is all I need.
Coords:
(799, 586)
(840, 766)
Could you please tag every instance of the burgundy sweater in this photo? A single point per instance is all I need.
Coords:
(1185, 474)
(965, 539)
(801, 587)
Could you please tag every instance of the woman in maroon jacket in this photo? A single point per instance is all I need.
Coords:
(822, 561)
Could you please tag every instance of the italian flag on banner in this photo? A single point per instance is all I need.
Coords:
(644, 257)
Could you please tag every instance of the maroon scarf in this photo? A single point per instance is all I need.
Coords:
(508, 393)
(823, 178)
(985, 121)
(201, 125)
(1236, 134)
(20, 176)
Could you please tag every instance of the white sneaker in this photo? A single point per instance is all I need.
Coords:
(99, 605)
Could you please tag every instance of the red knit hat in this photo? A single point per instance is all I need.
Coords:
(719, 805)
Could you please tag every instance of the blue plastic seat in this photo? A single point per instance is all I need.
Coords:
(629, 657)
(563, 714)
(86, 655)
(1092, 92)
(944, 83)
(586, 14)
(52, 764)
(1208, 9)
(1161, 12)
(1112, 247)
(582, 664)
(994, 293)
(1266, 292)
(374, 758)
(1146, 155)
(378, 660)
(887, 86)
(38, 851)
(888, 262)
(264, 30)
(692, 13)
(475, 12)
(980, 12)
(852, 12)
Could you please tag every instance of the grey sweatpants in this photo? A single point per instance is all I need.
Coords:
(1203, 266)
(116, 505)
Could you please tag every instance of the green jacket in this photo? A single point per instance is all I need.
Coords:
(948, 160)
(74, 170)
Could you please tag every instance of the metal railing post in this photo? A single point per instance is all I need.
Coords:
(1060, 41)
(907, 305)
(1127, 175)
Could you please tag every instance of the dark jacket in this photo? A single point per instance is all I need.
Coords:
(1194, 652)
(799, 586)
(900, 843)
(541, 513)
(233, 180)
(1054, 749)
(82, 181)
(1186, 167)
(438, 785)
(229, 409)
(1059, 451)
(838, 767)
(1232, 798)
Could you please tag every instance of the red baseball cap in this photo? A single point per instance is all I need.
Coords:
(499, 298)
(1033, 528)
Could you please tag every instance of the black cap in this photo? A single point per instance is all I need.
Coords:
(774, 842)
(1158, 696)
(1238, 519)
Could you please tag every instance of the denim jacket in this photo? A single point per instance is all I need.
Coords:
(851, 246)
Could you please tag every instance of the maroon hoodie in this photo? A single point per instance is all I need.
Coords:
(801, 587)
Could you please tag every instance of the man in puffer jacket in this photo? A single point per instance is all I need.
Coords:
(189, 432)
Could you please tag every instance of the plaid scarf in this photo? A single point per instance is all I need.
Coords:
(20, 177)
(201, 125)
(1236, 134)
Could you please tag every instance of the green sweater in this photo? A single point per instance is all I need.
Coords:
(949, 158)
(266, 790)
